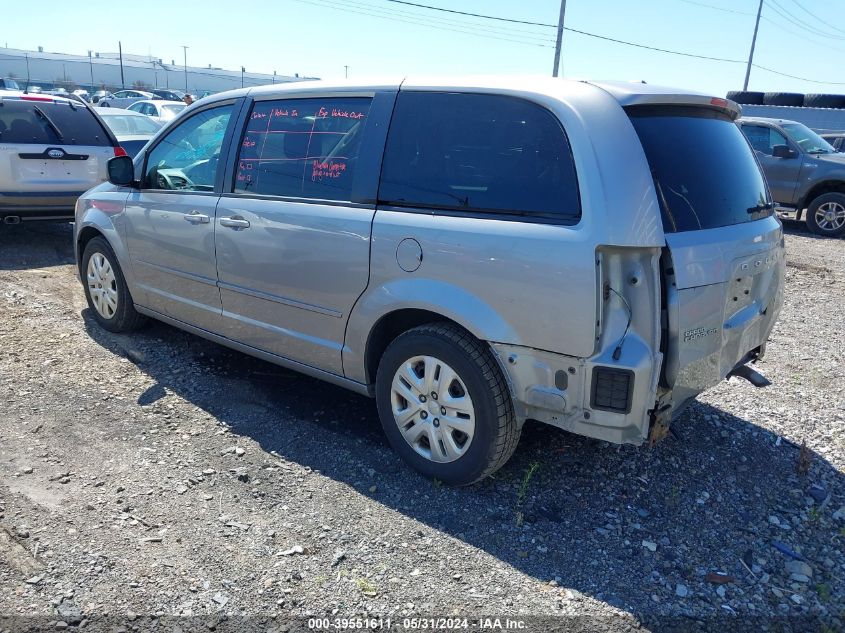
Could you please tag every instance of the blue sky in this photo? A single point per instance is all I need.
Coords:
(805, 38)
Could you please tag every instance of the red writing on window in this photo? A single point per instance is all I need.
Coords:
(245, 166)
(285, 112)
(244, 177)
(326, 169)
(259, 115)
(248, 142)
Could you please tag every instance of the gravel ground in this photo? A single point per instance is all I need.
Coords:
(162, 475)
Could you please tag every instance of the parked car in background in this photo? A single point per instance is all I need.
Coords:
(168, 94)
(836, 140)
(124, 98)
(473, 254)
(132, 129)
(9, 84)
(52, 149)
(161, 111)
(36, 90)
(83, 94)
(101, 94)
(806, 175)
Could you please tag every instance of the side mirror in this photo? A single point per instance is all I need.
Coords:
(783, 151)
(121, 171)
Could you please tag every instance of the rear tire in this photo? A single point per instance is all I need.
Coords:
(441, 365)
(105, 289)
(826, 215)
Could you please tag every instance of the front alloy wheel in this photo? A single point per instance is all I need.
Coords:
(102, 285)
(106, 291)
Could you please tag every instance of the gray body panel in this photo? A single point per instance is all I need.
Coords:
(306, 283)
(173, 257)
(288, 282)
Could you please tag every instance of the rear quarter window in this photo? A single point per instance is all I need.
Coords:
(478, 153)
(48, 123)
(705, 173)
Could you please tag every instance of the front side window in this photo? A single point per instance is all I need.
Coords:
(763, 138)
(479, 153)
(187, 157)
(304, 148)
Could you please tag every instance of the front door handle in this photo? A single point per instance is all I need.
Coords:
(195, 217)
(235, 222)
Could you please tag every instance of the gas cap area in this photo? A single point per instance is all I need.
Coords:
(409, 254)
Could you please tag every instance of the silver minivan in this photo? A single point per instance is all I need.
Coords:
(472, 253)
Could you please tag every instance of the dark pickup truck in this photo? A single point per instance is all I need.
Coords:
(806, 174)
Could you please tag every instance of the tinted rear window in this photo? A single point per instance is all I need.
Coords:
(704, 171)
(46, 123)
(478, 153)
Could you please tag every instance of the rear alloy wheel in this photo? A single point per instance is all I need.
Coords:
(432, 409)
(444, 404)
(105, 289)
(826, 215)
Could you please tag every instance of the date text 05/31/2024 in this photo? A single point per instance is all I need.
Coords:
(412, 624)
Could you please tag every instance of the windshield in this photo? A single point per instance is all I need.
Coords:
(808, 140)
(704, 171)
(11, 84)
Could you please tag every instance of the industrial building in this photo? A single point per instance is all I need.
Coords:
(106, 70)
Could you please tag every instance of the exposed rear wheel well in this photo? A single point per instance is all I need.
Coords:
(388, 328)
(86, 235)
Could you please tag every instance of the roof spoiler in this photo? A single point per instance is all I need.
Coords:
(731, 108)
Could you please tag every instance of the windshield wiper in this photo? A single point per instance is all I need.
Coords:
(665, 203)
(49, 121)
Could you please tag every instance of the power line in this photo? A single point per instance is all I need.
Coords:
(710, 6)
(466, 30)
(653, 48)
(404, 13)
(790, 17)
(808, 12)
(812, 81)
(474, 15)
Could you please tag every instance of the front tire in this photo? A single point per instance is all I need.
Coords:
(826, 215)
(105, 289)
(444, 404)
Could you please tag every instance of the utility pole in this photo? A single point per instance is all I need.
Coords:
(243, 70)
(753, 42)
(560, 37)
(346, 71)
(120, 52)
(274, 77)
(91, 68)
(185, 53)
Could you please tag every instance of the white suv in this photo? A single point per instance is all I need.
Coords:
(52, 149)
